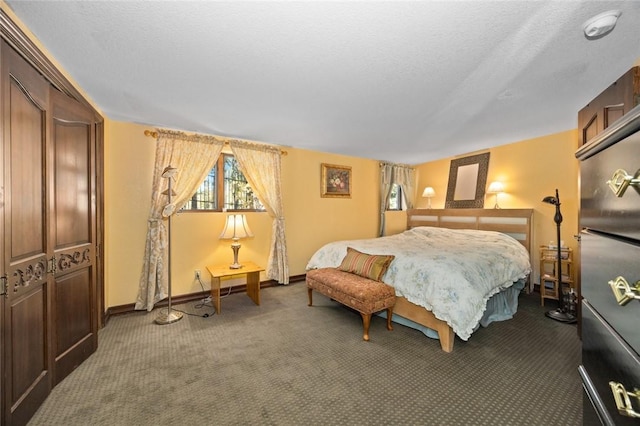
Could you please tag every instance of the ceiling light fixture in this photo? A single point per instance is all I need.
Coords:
(601, 25)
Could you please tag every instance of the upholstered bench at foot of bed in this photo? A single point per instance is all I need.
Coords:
(362, 294)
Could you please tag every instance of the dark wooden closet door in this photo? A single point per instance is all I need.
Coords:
(73, 233)
(49, 323)
(27, 312)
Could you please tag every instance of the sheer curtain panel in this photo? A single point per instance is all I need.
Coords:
(193, 156)
(386, 170)
(261, 166)
(405, 178)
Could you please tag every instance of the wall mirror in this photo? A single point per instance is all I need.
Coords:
(467, 181)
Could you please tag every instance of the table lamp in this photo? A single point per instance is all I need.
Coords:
(496, 188)
(235, 228)
(428, 193)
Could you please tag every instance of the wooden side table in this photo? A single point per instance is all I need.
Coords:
(549, 274)
(250, 269)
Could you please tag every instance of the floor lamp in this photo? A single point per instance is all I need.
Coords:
(561, 313)
(170, 315)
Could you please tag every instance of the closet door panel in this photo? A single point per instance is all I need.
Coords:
(27, 150)
(27, 310)
(72, 183)
(74, 234)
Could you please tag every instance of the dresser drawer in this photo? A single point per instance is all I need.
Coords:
(594, 413)
(606, 358)
(604, 259)
(600, 207)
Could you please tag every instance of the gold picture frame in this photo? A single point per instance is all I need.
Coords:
(335, 181)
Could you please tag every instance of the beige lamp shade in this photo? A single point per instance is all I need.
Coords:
(495, 188)
(428, 192)
(236, 227)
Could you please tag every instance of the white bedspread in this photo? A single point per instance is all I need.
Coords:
(450, 272)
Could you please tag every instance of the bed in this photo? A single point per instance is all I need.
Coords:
(457, 282)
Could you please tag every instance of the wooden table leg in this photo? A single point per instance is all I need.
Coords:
(253, 286)
(215, 293)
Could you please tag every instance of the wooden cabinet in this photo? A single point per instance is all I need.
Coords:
(617, 100)
(549, 288)
(50, 226)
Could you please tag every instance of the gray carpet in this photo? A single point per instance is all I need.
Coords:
(284, 363)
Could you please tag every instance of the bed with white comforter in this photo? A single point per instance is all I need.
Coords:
(451, 272)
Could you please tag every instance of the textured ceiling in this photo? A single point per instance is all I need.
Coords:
(406, 82)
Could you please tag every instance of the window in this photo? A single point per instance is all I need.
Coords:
(227, 190)
(396, 199)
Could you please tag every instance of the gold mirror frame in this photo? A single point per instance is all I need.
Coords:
(481, 161)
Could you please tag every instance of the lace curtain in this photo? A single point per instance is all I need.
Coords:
(193, 156)
(261, 166)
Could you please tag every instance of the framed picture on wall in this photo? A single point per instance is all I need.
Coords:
(335, 181)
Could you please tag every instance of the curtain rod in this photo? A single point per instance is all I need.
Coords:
(385, 163)
(154, 135)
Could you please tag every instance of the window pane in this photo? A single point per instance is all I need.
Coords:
(236, 192)
(238, 195)
(394, 198)
(206, 196)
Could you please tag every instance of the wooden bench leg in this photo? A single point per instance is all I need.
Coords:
(389, 315)
(366, 321)
(309, 292)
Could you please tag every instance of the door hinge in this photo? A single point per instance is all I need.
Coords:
(5, 285)
(98, 251)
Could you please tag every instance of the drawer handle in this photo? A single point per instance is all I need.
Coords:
(623, 402)
(620, 181)
(623, 291)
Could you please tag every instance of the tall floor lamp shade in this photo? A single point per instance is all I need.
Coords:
(561, 313)
(169, 316)
(235, 228)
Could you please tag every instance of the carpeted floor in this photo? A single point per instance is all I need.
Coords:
(284, 363)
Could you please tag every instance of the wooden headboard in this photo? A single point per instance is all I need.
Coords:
(514, 222)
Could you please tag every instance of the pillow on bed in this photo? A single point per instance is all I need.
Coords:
(366, 265)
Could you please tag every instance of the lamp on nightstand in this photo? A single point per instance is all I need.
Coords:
(236, 228)
(496, 188)
(428, 193)
(561, 314)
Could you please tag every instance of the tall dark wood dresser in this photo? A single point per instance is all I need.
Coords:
(610, 273)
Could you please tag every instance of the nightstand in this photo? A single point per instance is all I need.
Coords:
(220, 272)
(549, 288)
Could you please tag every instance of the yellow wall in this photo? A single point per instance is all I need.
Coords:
(529, 170)
(309, 219)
